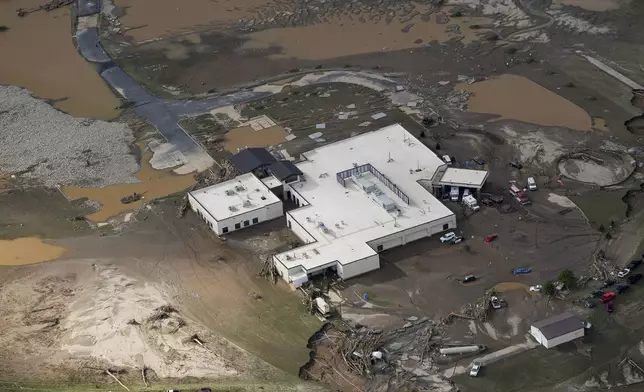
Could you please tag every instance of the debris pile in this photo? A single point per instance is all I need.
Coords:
(52, 5)
(602, 268)
(131, 198)
(477, 310)
(269, 271)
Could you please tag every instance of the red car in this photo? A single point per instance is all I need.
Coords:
(491, 237)
(607, 297)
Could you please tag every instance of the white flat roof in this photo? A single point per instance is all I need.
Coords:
(464, 177)
(349, 214)
(242, 194)
(271, 182)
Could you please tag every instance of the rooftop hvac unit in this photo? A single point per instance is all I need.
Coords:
(230, 192)
(232, 208)
(239, 188)
(247, 204)
(317, 252)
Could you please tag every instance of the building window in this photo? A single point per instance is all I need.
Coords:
(255, 220)
(224, 230)
(446, 226)
(237, 225)
(246, 223)
(379, 248)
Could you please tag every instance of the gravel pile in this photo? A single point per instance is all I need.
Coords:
(57, 149)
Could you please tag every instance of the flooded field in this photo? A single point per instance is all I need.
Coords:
(350, 35)
(244, 137)
(38, 54)
(28, 250)
(518, 98)
(154, 184)
(592, 5)
(156, 18)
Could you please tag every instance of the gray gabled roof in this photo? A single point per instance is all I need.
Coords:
(558, 325)
(251, 158)
(284, 169)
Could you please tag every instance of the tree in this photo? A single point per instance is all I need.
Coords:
(568, 278)
(549, 288)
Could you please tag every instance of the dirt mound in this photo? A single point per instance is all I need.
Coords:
(603, 168)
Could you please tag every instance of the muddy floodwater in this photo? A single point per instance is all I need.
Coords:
(518, 98)
(509, 286)
(245, 137)
(347, 35)
(154, 184)
(38, 54)
(28, 250)
(156, 18)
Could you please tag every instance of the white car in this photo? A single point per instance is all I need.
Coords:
(587, 325)
(536, 288)
(623, 272)
(532, 184)
(447, 159)
(448, 237)
(496, 303)
(476, 367)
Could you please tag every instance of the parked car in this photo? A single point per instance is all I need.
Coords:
(532, 184)
(536, 288)
(495, 302)
(476, 368)
(447, 159)
(448, 237)
(588, 303)
(516, 165)
(597, 293)
(634, 278)
(491, 237)
(469, 278)
(607, 283)
(587, 325)
(634, 264)
(479, 160)
(623, 272)
(620, 288)
(609, 307)
(456, 240)
(521, 271)
(607, 297)
(498, 199)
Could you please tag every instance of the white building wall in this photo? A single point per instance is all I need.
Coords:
(359, 267)
(549, 343)
(299, 231)
(414, 233)
(290, 191)
(269, 212)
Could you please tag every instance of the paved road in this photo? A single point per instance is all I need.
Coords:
(165, 114)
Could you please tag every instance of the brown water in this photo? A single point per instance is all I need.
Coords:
(29, 250)
(38, 54)
(346, 36)
(243, 137)
(510, 286)
(154, 184)
(519, 98)
(599, 123)
(157, 18)
(592, 5)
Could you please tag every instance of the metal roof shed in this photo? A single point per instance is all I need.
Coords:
(252, 158)
(283, 170)
(558, 329)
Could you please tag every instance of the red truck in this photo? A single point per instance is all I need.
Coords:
(519, 195)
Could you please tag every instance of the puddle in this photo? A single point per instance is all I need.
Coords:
(40, 56)
(599, 124)
(592, 5)
(509, 286)
(29, 250)
(156, 18)
(518, 98)
(243, 137)
(154, 184)
(346, 35)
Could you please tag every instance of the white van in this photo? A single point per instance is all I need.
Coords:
(532, 184)
(453, 193)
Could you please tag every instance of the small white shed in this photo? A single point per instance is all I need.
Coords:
(557, 330)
